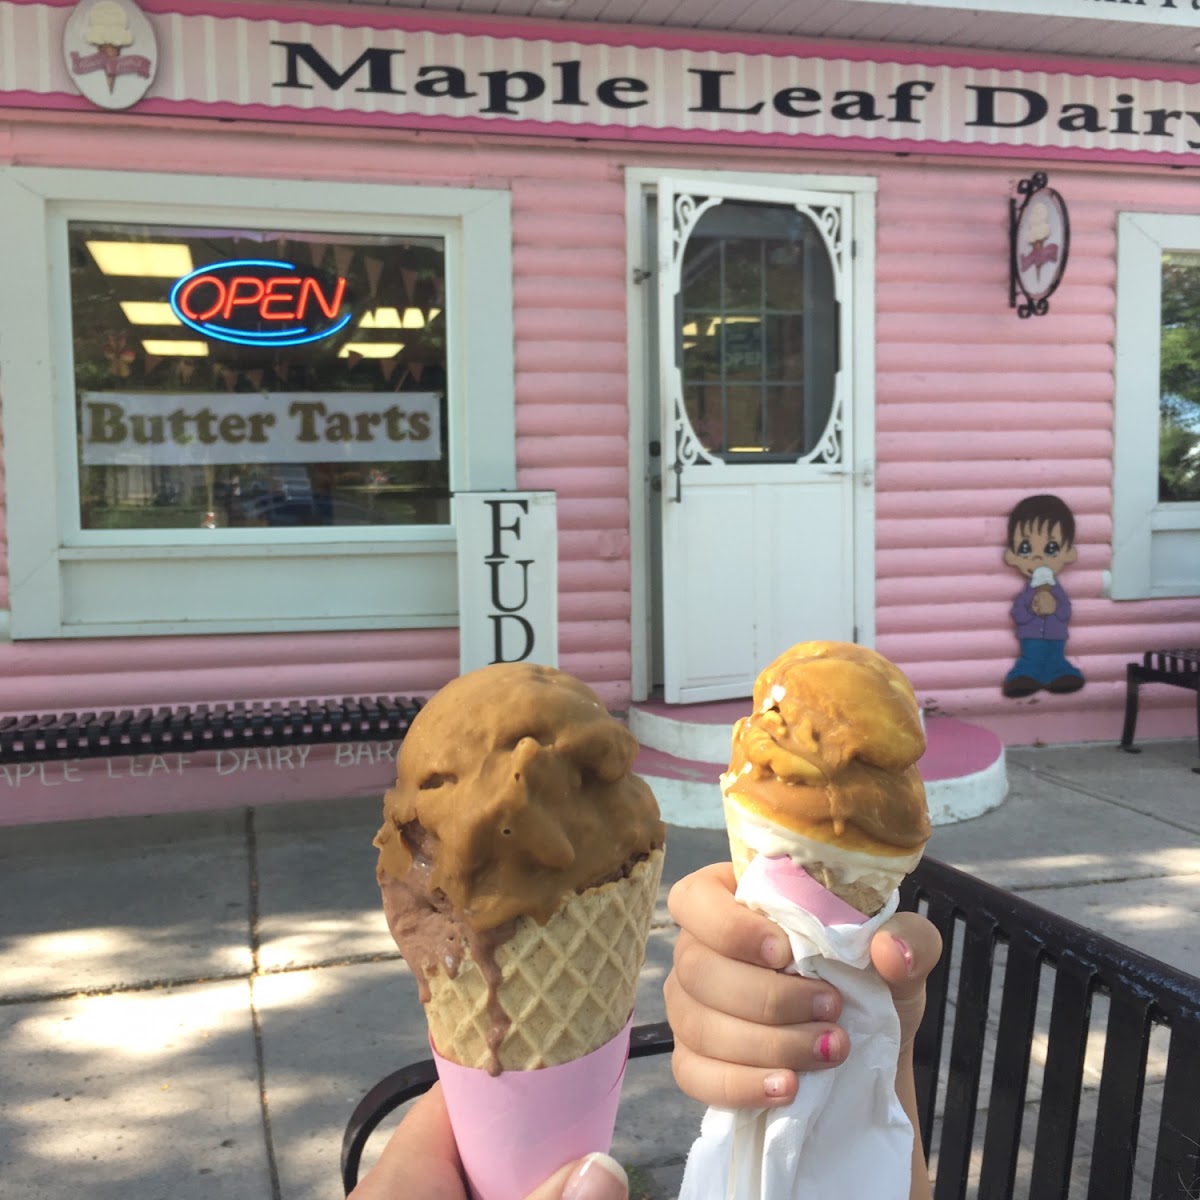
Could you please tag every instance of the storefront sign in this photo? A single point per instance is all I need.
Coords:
(1039, 241)
(195, 428)
(261, 302)
(111, 52)
(507, 578)
(1147, 12)
(413, 71)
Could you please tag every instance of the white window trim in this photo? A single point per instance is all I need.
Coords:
(1139, 520)
(36, 382)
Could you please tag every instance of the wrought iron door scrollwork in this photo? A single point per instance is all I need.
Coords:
(688, 448)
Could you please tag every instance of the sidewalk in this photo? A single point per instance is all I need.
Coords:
(190, 1006)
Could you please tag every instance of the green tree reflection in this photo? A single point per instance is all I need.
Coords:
(1179, 386)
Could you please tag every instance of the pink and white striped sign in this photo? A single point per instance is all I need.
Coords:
(343, 66)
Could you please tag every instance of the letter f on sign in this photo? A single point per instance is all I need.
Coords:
(498, 528)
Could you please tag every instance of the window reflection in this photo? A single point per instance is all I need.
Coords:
(234, 378)
(759, 332)
(1179, 390)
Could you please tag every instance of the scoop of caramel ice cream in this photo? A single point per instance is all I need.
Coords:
(514, 787)
(830, 750)
(519, 861)
(823, 771)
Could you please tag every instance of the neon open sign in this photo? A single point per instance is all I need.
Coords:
(261, 302)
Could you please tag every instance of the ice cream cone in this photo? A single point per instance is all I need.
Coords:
(823, 772)
(519, 860)
(519, 863)
(110, 52)
(566, 987)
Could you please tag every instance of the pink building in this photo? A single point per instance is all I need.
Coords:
(288, 287)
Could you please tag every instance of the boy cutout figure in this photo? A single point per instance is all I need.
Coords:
(1041, 543)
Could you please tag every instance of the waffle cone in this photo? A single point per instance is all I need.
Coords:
(864, 881)
(568, 986)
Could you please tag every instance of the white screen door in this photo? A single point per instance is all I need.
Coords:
(755, 345)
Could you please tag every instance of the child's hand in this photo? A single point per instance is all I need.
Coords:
(742, 1028)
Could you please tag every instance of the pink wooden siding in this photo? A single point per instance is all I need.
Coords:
(572, 402)
(572, 423)
(975, 408)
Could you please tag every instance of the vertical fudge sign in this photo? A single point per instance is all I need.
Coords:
(198, 428)
(507, 578)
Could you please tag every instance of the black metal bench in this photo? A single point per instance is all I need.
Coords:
(47, 737)
(986, 1045)
(1180, 668)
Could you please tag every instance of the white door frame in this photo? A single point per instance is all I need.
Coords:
(642, 368)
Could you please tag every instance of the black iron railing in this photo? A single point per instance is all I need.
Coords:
(46, 737)
(1178, 668)
(1000, 1076)
(1020, 995)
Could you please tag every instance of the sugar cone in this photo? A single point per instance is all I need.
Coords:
(862, 880)
(567, 986)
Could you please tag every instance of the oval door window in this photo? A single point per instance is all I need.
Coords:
(758, 324)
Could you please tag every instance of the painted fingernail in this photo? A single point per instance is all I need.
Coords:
(776, 1084)
(905, 953)
(775, 951)
(824, 1006)
(598, 1178)
(829, 1047)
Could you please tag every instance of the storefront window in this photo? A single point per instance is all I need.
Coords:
(237, 405)
(1179, 375)
(233, 378)
(1156, 418)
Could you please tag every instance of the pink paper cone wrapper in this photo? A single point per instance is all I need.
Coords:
(515, 1129)
(797, 885)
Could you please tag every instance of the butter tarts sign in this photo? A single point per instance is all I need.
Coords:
(156, 429)
(415, 71)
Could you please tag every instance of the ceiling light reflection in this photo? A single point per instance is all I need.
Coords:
(148, 312)
(371, 349)
(165, 347)
(159, 260)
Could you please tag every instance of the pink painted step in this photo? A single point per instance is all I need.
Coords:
(666, 766)
(715, 712)
(953, 748)
(956, 748)
(963, 768)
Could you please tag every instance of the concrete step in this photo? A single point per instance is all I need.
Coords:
(685, 748)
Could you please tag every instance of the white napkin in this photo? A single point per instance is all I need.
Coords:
(845, 1136)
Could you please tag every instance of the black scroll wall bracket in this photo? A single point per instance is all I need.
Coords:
(1039, 237)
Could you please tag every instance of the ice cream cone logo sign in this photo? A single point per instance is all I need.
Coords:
(111, 52)
(1040, 235)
